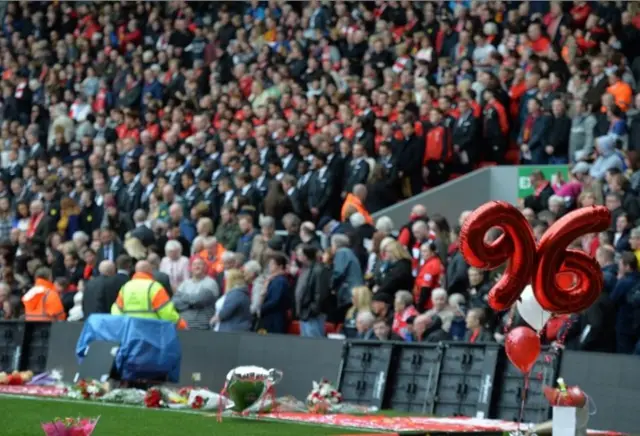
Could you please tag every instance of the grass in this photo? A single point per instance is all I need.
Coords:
(22, 417)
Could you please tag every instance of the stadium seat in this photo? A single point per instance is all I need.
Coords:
(294, 328)
(486, 164)
(513, 157)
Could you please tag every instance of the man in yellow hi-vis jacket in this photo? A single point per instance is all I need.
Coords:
(143, 297)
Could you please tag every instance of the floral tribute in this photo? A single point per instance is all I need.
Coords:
(88, 390)
(70, 426)
(323, 397)
(192, 398)
(15, 378)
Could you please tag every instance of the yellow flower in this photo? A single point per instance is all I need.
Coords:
(89, 218)
(53, 212)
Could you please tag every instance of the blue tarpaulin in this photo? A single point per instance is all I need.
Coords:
(149, 348)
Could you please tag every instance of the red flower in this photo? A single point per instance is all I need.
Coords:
(15, 380)
(198, 402)
(153, 398)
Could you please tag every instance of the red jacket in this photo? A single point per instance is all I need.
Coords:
(438, 145)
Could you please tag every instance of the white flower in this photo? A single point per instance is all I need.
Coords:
(56, 375)
(93, 389)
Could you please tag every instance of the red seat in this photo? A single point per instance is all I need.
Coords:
(487, 164)
(294, 328)
(513, 156)
(329, 327)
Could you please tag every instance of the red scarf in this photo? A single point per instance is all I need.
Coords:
(528, 126)
(540, 188)
(474, 336)
(33, 224)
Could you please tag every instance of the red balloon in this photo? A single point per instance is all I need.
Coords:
(555, 261)
(516, 245)
(522, 345)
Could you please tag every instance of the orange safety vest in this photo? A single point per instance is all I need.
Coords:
(214, 265)
(354, 201)
(42, 303)
(622, 94)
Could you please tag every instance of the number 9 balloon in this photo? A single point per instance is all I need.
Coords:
(516, 246)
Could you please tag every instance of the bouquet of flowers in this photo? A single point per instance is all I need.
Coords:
(323, 397)
(88, 390)
(15, 378)
(125, 396)
(70, 426)
(161, 397)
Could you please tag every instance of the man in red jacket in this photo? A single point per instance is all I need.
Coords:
(438, 152)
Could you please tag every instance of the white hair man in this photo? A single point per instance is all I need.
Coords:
(347, 272)
(364, 325)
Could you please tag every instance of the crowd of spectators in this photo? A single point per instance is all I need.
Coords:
(241, 149)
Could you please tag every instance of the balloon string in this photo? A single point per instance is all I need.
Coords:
(524, 399)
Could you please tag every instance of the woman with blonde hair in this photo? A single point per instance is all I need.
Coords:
(396, 272)
(233, 314)
(360, 302)
(135, 248)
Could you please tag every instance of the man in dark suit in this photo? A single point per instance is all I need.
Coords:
(94, 298)
(129, 198)
(158, 275)
(101, 291)
(209, 194)
(244, 188)
(192, 194)
(409, 151)
(389, 164)
(141, 231)
(110, 248)
(294, 196)
(533, 134)
(599, 83)
(358, 172)
(289, 161)
(260, 179)
(320, 188)
(366, 139)
(225, 191)
(146, 188)
(465, 130)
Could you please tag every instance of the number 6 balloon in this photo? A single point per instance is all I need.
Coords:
(516, 246)
(555, 258)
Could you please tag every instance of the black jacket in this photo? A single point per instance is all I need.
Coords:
(558, 132)
(101, 292)
(398, 277)
(465, 131)
(316, 292)
(540, 202)
(144, 234)
(356, 173)
(600, 318)
(435, 333)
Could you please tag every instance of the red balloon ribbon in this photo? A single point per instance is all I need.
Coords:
(516, 245)
(554, 259)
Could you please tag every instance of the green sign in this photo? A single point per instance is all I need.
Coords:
(524, 184)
